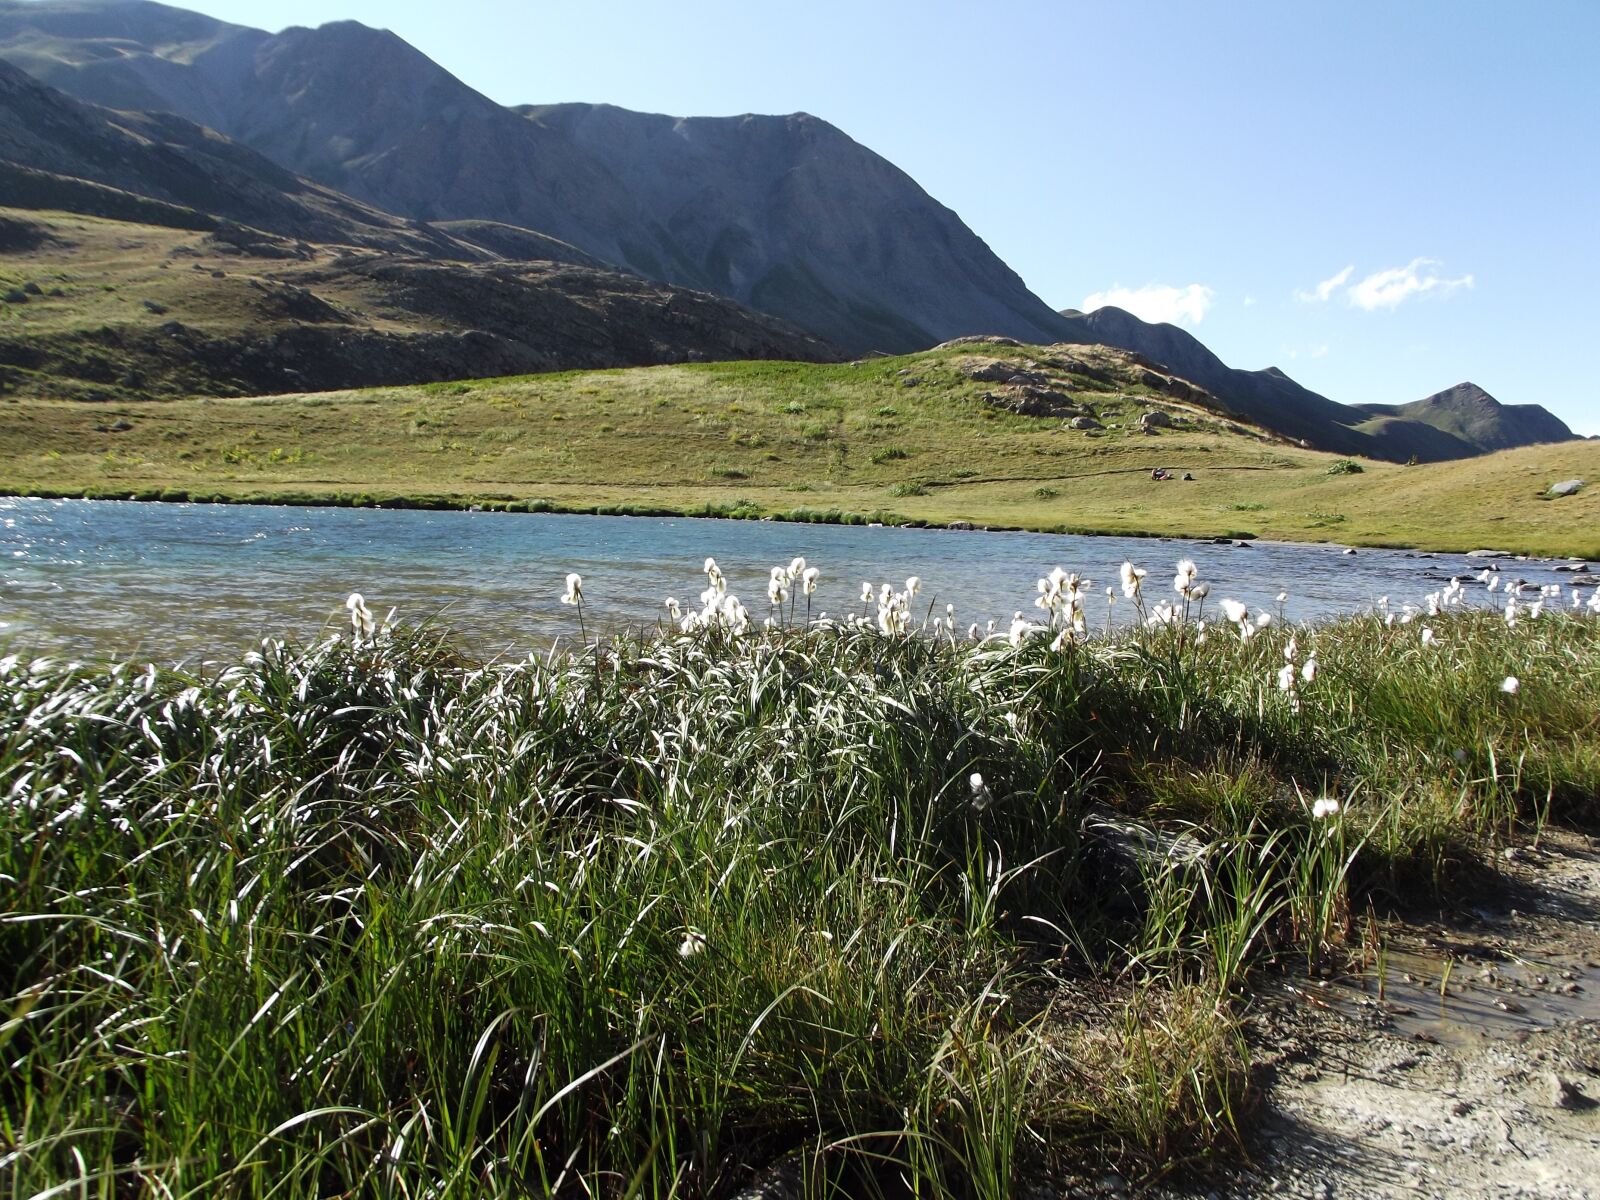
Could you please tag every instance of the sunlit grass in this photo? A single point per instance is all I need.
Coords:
(897, 909)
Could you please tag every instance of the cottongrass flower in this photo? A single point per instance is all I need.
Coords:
(361, 623)
(777, 593)
(982, 798)
(1511, 685)
(1183, 582)
(694, 942)
(1020, 629)
(1428, 638)
(1239, 615)
(574, 592)
(674, 610)
(1132, 580)
(797, 568)
(913, 586)
(1324, 808)
(1308, 672)
(808, 580)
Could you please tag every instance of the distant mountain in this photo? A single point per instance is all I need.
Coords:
(1460, 423)
(786, 214)
(1477, 418)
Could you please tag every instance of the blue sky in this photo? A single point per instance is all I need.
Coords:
(1382, 198)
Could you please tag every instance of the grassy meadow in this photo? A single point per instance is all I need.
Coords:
(894, 439)
(862, 908)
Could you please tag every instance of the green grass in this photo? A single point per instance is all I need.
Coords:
(650, 916)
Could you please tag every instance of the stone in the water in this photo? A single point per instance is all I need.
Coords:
(1567, 487)
(1488, 554)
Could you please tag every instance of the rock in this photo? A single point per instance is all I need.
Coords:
(16, 296)
(998, 370)
(33, 289)
(1154, 419)
(153, 306)
(1349, 550)
(1084, 423)
(1567, 487)
(1488, 554)
(989, 340)
(1564, 1093)
(1571, 566)
(964, 525)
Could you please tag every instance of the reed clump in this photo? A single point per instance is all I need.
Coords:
(878, 904)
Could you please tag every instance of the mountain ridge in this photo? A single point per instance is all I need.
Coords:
(811, 228)
(1428, 430)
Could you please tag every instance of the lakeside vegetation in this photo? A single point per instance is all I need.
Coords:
(909, 439)
(895, 909)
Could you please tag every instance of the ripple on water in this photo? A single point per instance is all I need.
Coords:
(177, 579)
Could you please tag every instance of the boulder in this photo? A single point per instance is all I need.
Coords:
(1084, 423)
(1567, 487)
(1154, 419)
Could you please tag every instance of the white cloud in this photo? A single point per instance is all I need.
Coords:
(1157, 302)
(1389, 288)
(1249, 301)
(1320, 293)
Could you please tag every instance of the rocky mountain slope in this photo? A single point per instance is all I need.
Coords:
(50, 144)
(1460, 423)
(786, 214)
(98, 309)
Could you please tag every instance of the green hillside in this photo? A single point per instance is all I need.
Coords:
(914, 438)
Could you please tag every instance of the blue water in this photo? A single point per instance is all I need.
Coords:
(182, 581)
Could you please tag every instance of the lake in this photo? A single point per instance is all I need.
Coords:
(176, 581)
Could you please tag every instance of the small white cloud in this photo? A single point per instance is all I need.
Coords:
(1320, 293)
(1319, 351)
(1249, 301)
(1157, 302)
(1389, 288)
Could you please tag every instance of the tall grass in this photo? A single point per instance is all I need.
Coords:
(883, 913)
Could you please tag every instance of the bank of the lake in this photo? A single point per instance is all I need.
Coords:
(914, 439)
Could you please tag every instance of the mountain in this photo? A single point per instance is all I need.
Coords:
(786, 214)
(1477, 418)
(118, 310)
(285, 285)
(56, 151)
(1460, 423)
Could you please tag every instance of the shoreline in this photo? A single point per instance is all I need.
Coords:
(731, 511)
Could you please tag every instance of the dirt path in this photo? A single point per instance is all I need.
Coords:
(1490, 1090)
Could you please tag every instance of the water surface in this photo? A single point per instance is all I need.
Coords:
(178, 581)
